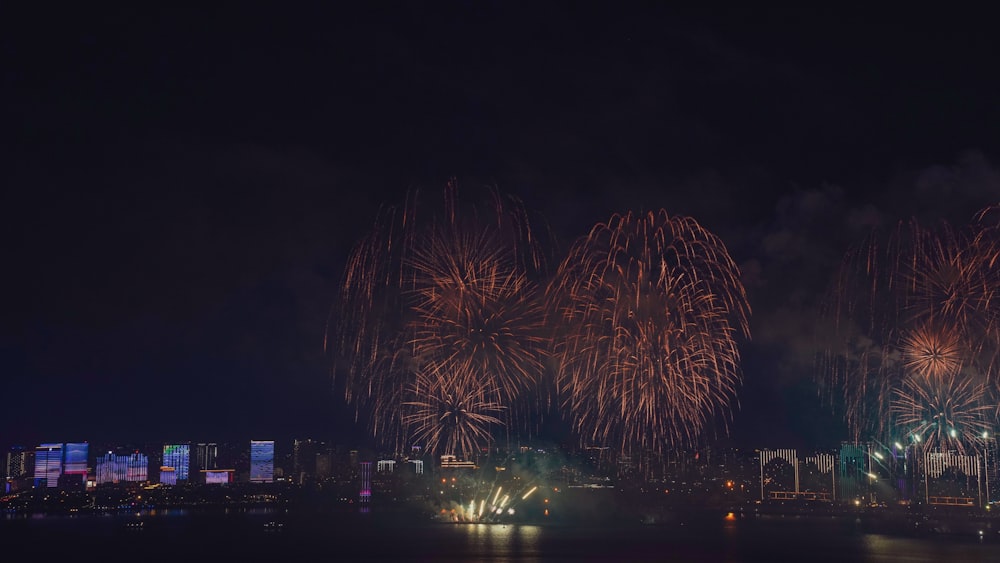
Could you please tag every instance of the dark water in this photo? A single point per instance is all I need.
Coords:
(277, 536)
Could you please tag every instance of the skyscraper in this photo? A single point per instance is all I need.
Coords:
(75, 460)
(304, 454)
(261, 461)
(48, 464)
(15, 463)
(113, 468)
(206, 456)
(178, 457)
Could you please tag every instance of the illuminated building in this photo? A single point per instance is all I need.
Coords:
(218, 476)
(418, 466)
(106, 469)
(168, 475)
(261, 461)
(385, 466)
(178, 457)
(852, 478)
(113, 468)
(206, 456)
(136, 467)
(452, 462)
(17, 462)
(365, 468)
(15, 465)
(48, 464)
(775, 466)
(75, 460)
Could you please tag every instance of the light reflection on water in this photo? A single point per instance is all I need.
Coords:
(379, 536)
(502, 539)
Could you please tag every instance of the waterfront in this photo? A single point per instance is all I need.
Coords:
(280, 535)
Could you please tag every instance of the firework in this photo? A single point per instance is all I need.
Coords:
(648, 308)
(941, 413)
(916, 317)
(475, 312)
(448, 412)
(930, 352)
(440, 294)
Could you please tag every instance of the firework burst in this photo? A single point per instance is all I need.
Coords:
(916, 316)
(649, 308)
(443, 290)
(941, 413)
(931, 352)
(449, 412)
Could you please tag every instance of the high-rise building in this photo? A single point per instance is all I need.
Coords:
(206, 456)
(304, 458)
(385, 466)
(48, 464)
(178, 457)
(15, 465)
(261, 461)
(75, 460)
(365, 468)
(114, 468)
(168, 475)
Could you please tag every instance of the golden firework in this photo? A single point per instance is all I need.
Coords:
(647, 309)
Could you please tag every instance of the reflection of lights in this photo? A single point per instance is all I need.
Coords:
(730, 516)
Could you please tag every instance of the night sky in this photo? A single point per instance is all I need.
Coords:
(181, 187)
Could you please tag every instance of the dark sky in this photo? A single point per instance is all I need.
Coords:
(181, 185)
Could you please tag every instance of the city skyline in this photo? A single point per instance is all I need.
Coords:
(186, 198)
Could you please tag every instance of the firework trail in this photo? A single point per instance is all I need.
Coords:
(916, 316)
(441, 294)
(648, 308)
(489, 502)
